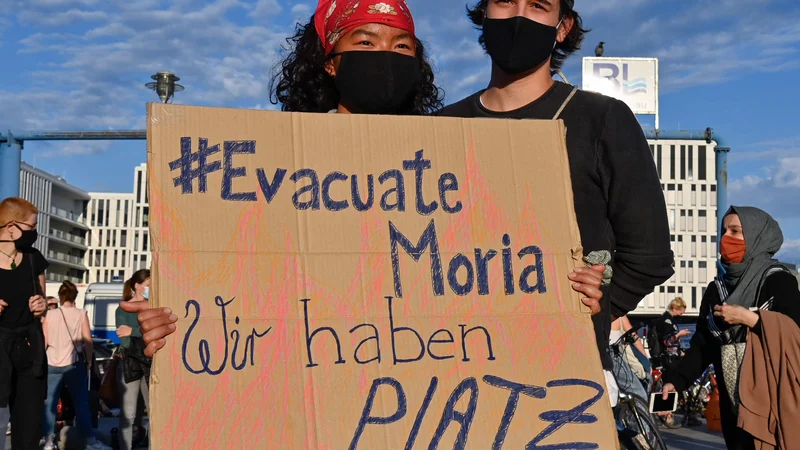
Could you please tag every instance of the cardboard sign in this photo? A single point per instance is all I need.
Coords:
(364, 282)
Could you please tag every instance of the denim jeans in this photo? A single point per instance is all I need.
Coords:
(74, 378)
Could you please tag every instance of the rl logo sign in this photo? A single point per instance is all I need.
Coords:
(612, 72)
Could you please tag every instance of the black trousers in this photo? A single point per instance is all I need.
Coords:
(735, 437)
(27, 398)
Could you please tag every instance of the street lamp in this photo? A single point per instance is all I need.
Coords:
(165, 85)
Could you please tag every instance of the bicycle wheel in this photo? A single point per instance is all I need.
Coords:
(674, 420)
(635, 416)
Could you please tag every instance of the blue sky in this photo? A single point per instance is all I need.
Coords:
(732, 65)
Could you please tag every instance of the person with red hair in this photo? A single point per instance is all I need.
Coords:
(23, 364)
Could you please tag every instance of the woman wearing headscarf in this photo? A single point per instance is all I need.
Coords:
(753, 282)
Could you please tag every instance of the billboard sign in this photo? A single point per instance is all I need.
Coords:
(631, 80)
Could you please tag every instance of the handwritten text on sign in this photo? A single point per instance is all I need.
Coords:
(463, 275)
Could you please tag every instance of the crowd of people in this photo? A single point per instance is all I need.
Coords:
(356, 57)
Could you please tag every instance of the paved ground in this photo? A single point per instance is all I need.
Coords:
(694, 438)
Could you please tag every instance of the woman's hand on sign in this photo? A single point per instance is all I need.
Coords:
(736, 315)
(38, 305)
(156, 324)
(587, 281)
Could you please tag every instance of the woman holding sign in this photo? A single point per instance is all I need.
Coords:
(355, 57)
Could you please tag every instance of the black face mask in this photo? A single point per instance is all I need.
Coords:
(518, 44)
(377, 82)
(27, 238)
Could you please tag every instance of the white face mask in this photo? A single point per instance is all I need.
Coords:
(146, 293)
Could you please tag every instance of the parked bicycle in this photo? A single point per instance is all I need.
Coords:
(635, 425)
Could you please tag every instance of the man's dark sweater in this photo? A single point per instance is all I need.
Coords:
(618, 198)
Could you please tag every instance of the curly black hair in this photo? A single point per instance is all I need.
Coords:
(301, 84)
(562, 51)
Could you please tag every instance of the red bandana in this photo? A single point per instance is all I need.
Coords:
(334, 18)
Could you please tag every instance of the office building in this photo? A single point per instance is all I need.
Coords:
(688, 175)
(62, 223)
(141, 226)
(110, 220)
(120, 243)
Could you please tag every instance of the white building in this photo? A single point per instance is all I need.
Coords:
(62, 223)
(688, 175)
(142, 257)
(120, 243)
(111, 222)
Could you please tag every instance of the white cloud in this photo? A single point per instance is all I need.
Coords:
(265, 8)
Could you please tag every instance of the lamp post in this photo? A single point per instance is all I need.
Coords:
(164, 85)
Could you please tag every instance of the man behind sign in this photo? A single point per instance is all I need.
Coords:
(618, 199)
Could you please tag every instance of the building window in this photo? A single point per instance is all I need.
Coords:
(108, 238)
(694, 298)
(146, 217)
(703, 247)
(125, 215)
(144, 241)
(115, 257)
(694, 195)
(94, 212)
(135, 241)
(702, 221)
(703, 195)
(713, 195)
(690, 272)
(123, 238)
(671, 162)
(108, 213)
(691, 221)
(701, 162)
(683, 162)
(690, 162)
(671, 218)
(683, 272)
(100, 238)
(105, 260)
(138, 186)
(670, 289)
(683, 221)
(680, 245)
(658, 160)
(694, 246)
(138, 217)
(116, 216)
(101, 213)
(703, 268)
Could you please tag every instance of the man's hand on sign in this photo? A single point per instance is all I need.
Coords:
(587, 281)
(155, 323)
(3, 305)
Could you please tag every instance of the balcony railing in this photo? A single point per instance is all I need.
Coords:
(58, 278)
(68, 237)
(67, 215)
(77, 260)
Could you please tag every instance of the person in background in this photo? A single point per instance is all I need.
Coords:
(23, 364)
(609, 157)
(641, 371)
(342, 61)
(357, 57)
(754, 284)
(669, 335)
(68, 341)
(136, 290)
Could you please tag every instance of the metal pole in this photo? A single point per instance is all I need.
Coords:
(10, 162)
(722, 191)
